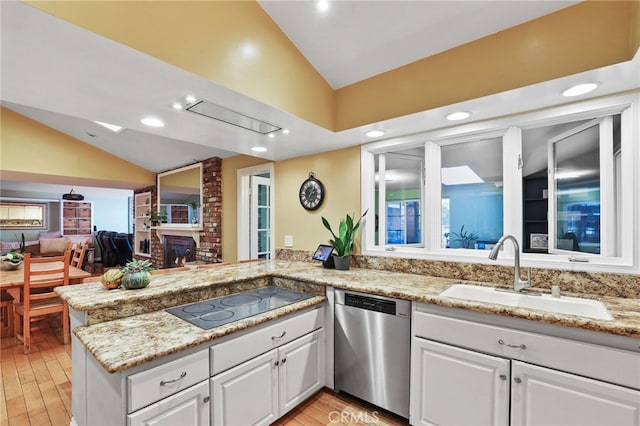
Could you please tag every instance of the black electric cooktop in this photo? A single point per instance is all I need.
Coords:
(225, 309)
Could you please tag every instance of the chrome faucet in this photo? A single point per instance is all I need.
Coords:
(518, 283)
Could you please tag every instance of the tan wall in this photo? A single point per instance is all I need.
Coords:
(339, 172)
(584, 36)
(33, 152)
(230, 168)
(208, 38)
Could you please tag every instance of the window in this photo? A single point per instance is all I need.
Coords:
(564, 182)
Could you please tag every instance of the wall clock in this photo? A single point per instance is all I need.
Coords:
(311, 193)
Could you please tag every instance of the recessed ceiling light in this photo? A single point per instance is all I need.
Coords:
(259, 149)
(459, 115)
(177, 105)
(374, 133)
(190, 99)
(322, 5)
(286, 131)
(271, 135)
(580, 89)
(152, 122)
(112, 127)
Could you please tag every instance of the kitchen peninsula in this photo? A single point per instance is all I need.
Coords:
(120, 334)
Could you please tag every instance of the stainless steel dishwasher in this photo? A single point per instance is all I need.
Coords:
(372, 349)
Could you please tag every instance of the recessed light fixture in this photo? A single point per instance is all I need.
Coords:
(191, 99)
(580, 89)
(286, 131)
(459, 115)
(322, 5)
(177, 105)
(152, 122)
(259, 149)
(374, 133)
(271, 135)
(112, 127)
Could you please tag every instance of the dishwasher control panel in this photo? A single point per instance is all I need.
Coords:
(363, 302)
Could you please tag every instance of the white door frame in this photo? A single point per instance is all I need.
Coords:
(244, 206)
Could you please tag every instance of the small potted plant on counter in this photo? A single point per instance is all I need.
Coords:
(136, 274)
(343, 242)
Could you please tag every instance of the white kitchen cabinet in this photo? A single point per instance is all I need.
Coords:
(273, 382)
(187, 408)
(466, 372)
(247, 394)
(453, 386)
(541, 396)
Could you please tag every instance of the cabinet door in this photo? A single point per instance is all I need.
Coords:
(453, 386)
(301, 369)
(247, 394)
(541, 396)
(187, 408)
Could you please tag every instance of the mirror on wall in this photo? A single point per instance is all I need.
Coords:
(180, 196)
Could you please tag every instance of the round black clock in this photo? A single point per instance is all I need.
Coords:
(311, 193)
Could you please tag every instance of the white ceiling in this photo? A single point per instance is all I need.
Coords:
(64, 76)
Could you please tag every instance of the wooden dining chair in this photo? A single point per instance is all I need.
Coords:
(77, 258)
(41, 275)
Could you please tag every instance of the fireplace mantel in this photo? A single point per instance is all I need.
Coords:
(180, 231)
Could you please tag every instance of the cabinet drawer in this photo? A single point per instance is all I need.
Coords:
(159, 382)
(233, 352)
(590, 360)
(70, 223)
(69, 212)
(84, 223)
(84, 212)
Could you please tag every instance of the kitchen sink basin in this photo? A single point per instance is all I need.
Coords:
(545, 302)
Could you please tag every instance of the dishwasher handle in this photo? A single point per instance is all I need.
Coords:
(370, 303)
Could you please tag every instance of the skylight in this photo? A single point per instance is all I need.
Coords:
(459, 175)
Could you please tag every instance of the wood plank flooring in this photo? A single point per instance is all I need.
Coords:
(36, 390)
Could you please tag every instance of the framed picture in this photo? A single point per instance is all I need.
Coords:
(538, 241)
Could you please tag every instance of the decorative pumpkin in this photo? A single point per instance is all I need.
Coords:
(112, 278)
(136, 274)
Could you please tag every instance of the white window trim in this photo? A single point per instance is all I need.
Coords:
(510, 127)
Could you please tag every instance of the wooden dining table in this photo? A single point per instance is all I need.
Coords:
(13, 280)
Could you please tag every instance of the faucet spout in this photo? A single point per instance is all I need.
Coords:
(518, 283)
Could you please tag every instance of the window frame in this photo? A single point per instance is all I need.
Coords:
(510, 128)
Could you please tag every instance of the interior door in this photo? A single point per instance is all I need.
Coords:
(260, 217)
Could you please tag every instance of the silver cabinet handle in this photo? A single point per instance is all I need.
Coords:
(503, 377)
(279, 337)
(521, 346)
(166, 382)
(517, 380)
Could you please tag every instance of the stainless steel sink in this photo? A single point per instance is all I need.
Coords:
(545, 302)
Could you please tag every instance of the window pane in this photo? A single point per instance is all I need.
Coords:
(472, 194)
(403, 194)
(577, 174)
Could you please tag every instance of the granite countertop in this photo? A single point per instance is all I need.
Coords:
(138, 319)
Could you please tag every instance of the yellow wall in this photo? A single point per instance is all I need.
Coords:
(210, 39)
(32, 152)
(578, 38)
(230, 168)
(583, 37)
(339, 172)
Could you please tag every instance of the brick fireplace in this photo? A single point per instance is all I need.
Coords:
(209, 239)
(178, 250)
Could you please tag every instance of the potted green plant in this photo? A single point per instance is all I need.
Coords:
(158, 218)
(136, 274)
(343, 242)
(466, 239)
(194, 208)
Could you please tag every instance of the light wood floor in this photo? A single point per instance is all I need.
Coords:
(36, 390)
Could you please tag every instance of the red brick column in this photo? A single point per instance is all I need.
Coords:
(210, 249)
